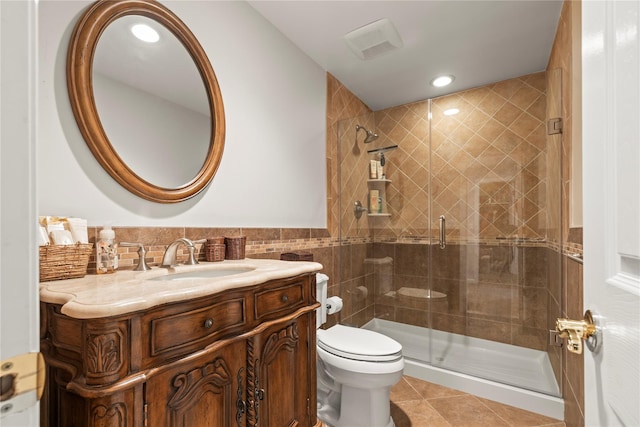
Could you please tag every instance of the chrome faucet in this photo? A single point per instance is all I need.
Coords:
(169, 260)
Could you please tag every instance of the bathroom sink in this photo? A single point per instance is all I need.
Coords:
(204, 274)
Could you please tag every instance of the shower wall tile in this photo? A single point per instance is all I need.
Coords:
(351, 297)
(535, 266)
(344, 263)
(455, 324)
(382, 311)
(496, 264)
(489, 330)
(341, 104)
(573, 415)
(456, 301)
(555, 279)
(489, 301)
(482, 282)
(411, 260)
(484, 155)
(572, 364)
(573, 277)
(325, 255)
(408, 281)
(358, 255)
(530, 308)
(407, 167)
(412, 316)
(448, 262)
(528, 337)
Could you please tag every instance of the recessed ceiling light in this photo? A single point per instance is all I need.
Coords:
(145, 33)
(441, 81)
(451, 112)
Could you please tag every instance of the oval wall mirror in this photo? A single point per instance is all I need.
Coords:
(150, 112)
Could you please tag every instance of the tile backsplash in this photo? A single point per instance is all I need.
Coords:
(261, 243)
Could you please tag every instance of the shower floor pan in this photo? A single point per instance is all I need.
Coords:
(509, 374)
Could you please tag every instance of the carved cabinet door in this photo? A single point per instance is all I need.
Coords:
(280, 391)
(203, 391)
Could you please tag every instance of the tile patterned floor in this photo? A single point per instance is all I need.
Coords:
(417, 403)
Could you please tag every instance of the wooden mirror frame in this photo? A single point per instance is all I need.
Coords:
(82, 47)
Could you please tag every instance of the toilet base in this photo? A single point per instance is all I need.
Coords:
(329, 420)
(327, 424)
(357, 408)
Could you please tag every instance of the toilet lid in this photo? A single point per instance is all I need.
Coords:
(359, 344)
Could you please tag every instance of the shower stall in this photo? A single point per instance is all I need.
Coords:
(452, 245)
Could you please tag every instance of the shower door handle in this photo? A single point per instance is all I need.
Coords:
(443, 232)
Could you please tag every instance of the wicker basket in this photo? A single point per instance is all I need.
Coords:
(235, 247)
(214, 249)
(59, 262)
(296, 256)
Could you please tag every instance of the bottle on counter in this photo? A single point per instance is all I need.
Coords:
(106, 251)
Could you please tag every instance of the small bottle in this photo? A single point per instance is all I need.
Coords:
(106, 253)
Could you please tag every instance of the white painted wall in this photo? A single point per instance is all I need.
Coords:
(273, 169)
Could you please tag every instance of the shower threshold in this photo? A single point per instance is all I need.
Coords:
(509, 374)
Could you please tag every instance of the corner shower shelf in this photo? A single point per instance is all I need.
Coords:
(381, 187)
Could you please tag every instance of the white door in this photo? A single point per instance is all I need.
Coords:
(611, 165)
(18, 218)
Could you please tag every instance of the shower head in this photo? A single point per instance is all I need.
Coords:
(370, 135)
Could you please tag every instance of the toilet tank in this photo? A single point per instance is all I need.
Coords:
(322, 282)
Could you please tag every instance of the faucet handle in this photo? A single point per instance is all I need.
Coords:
(191, 248)
(142, 253)
(192, 258)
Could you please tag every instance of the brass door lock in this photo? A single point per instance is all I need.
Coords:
(575, 331)
(21, 382)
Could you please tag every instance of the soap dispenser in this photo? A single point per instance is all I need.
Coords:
(106, 252)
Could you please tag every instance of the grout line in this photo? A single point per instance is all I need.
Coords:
(493, 412)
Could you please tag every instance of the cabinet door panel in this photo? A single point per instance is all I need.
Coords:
(284, 375)
(201, 392)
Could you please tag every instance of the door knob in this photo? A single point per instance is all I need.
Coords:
(575, 331)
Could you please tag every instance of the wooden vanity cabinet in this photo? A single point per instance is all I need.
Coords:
(236, 358)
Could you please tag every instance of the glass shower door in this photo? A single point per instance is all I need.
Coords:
(495, 270)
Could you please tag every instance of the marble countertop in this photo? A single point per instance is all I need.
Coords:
(104, 295)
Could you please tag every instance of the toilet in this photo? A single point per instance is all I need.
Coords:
(356, 369)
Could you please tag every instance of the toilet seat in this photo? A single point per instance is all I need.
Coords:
(359, 344)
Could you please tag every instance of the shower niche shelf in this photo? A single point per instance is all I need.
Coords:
(378, 208)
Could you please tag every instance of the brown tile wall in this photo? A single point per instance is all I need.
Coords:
(494, 292)
(573, 364)
(488, 162)
(260, 243)
(341, 104)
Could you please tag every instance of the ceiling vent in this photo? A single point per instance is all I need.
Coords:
(374, 39)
